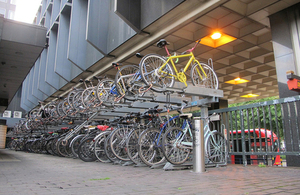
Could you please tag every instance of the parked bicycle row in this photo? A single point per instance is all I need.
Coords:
(147, 138)
(141, 138)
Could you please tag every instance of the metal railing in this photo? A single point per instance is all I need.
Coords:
(259, 132)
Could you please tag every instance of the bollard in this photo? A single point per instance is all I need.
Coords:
(198, 146)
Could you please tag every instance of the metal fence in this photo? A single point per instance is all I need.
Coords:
(259, 132)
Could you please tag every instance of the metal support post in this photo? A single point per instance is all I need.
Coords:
(198, 146)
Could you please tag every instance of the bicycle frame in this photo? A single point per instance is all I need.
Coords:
(186, 129)
(135, 76)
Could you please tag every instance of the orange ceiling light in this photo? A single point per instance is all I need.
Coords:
(217, 39)
(216, 35)
(237, 81)
(250, 95)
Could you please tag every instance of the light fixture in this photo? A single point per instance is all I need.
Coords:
(250, 95)
(237, 81)
(217, 39)
(216, 35)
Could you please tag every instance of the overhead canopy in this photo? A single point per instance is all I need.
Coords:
(20, 46)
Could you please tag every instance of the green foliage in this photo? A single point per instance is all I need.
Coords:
(253, 101)
(268, 117)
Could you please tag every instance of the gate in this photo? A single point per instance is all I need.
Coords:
(261, 131)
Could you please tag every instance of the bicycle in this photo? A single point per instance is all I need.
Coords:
(128, 81)
(150, 142)
(177, 143)
(160, 72)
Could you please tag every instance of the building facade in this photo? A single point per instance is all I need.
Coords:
(8, 8)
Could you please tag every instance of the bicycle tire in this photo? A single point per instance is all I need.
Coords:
(128, 81)
(107, 149)
(149, 66)
(54, 148)
(48, 146)
(77, 101)
(89, 98)
(86, 150)
(71, 94)
(61, 149)
(200, 80)
(216, 148)
(103, 91)
(100, 147)
(149, 149)
(174, 149)
(74, 145)
(59, 109)
(117, 143)
(132, 146)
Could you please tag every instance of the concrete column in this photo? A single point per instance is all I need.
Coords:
(285, 27)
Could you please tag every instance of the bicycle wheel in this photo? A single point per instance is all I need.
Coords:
(60, 148)
(71, 95)
(89, 98)
(216, 148)
(103, 91)
(77, 101)
(199, 79)
(177, 145)
(132, 146)
(48, 146)
(86, 150)
(149, 149)
(149, 67)
(107, 149)
(100, 147)
(117, 143)
(74, 145)
(128, 81)
(59, 109)
(54, 148)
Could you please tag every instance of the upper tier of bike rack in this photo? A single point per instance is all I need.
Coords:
(196, 96)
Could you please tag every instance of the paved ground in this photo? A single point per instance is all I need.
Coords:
(27, 173)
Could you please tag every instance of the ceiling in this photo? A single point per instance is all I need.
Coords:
(250, 56)
(18, 53)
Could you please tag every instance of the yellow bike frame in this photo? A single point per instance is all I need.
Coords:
(180, 76)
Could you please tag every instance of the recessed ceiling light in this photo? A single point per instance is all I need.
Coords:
(237, 81)
(250, 95)
(217, 39)
(216, 35)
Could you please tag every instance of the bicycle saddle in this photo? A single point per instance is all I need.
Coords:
(161, 43)
(186, 115)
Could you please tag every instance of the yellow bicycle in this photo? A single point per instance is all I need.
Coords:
(160, 72)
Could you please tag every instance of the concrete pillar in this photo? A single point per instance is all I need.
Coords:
(285, 27)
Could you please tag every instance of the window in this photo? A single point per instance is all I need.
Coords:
(2, 10)
(13, 2)
(11, 14)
